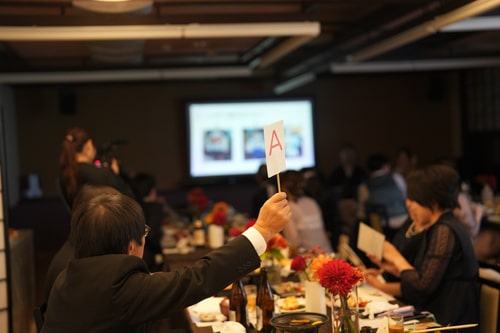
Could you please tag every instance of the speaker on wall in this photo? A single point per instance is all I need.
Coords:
(436, 90)
(67, 102)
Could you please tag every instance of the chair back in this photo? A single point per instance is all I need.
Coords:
(38, 313)
(489, 321)
(62, 194)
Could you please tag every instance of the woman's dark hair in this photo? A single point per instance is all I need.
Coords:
(435, 184)
(73, 143)
(106, 224)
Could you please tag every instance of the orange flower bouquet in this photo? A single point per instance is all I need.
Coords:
(310, 263)
(219, 214)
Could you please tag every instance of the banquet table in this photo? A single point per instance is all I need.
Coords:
(211, 305)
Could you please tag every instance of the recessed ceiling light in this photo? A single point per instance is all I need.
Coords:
(115, 6)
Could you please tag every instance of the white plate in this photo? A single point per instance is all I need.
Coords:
(302, 305)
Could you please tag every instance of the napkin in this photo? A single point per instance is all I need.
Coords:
(375, 307)
(231, 327)
(207, 306)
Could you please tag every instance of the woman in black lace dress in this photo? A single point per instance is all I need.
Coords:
(433, 258)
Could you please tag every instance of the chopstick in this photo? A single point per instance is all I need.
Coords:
(443, 328)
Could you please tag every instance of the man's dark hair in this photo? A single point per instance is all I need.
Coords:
(439, 184)
(376, 161)
(106, 224)
(86, 193)
(142, 184)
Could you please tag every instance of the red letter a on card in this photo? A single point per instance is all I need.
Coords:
(273, 143)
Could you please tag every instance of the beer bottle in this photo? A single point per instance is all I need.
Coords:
(264, 303)
(198, 234)
(238, 304)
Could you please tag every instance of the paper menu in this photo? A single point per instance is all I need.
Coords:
(370, 240)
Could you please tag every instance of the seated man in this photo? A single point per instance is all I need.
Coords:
(108, 288)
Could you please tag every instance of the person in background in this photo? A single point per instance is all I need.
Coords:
(434, 262)
(153, 206)
(315, 188)
(77, 168)
(383, 192)
(468, 212)
(348, 174)
(306, 229)
(67, 252)
(265, 190)
(405, 161)
(108, 288)
(342, 195)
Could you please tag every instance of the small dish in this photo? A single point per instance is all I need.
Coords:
(304, 322)
(291, 304)
(207, 316)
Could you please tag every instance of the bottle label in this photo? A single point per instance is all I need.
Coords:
(199, 237)
(232, 315)
(260, 323)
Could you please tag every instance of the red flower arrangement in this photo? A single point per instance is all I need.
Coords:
(484, 179)
(219, 214)
(274, 247)
(339, 277)
(310, 263)
(235, 231)
(197, 198)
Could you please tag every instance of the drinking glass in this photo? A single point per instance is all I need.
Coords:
(395, 322)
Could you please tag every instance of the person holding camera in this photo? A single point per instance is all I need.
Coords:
(77, 168)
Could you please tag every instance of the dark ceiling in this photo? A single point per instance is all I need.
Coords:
(282, 39)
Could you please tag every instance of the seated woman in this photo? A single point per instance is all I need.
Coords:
(434, 260)
(305, 231)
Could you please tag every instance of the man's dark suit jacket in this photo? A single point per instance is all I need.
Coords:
(116, 293)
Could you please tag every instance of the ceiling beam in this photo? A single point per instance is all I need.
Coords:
(233, 30)
(126, 75)
(474, 24)
(423, 30)
(413, 66)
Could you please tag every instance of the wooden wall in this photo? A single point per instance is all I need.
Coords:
(378, 113)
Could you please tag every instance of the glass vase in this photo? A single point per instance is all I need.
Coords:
(273, 271)
(345, 318)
